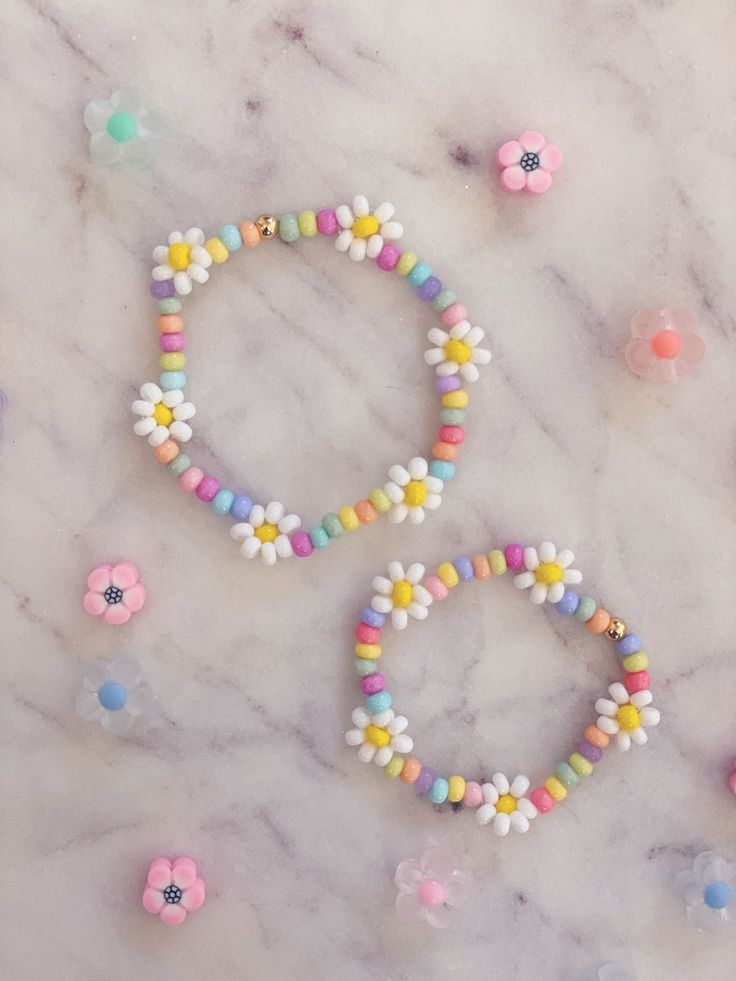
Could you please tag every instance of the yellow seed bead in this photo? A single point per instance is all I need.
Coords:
(179, 256)
(498, 562)
(348, 518)
(394, 767)
(406, 263)
(506, 804)
(307, 223)
(457, 789)
(379, 499)
(555, 787)
(580, 765)
(636, 662)
(377, 736)
(455, 400)
(216, 249)
(402, 594)
(448, 574)
(365, 227)
(172, 362)
(162, 414)
(369, 651)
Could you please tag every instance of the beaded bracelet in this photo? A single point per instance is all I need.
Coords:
(380, 734)
(165, 415)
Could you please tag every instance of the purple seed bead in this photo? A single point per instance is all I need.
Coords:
(514, 555)
(327, 222)
(207, 488)
(425, 780)
(302, 544)
(447, 383)
(429, 288)
(373, 683)
(590, 752)
(568, 604)
(171, 342)
(388, 257)
(241, 507)
(372, 617)
(162, 289)
(464, 567)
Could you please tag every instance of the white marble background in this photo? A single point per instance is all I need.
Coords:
(310, 381)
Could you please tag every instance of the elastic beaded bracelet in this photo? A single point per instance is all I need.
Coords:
(380, 735)
(165, 416)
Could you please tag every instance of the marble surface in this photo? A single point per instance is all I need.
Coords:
(309, 376)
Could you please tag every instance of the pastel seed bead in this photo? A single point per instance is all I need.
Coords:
(429, 289)
(373, 683)
(171, 304)
(378, 702)
(442, 469)
(249, 234)
(411, 771)
(425, 780)
(189, 480)
(366, 634)
(447, 383)
(419, 274)
(464, 567)
(591, 753)
(630, 644)
(171, 380)
(367, 514)
(308, 224)
(348, 518)
(439, 790)
(497, 560)
(230, 237)
(371, 652)
(455, 400)
(170, 323)
(173, 361)
(320, 538)
(445, 451)
(161, 289)
(448, 574)
(380, 500)
(406, 263)
(289, 228)
(333, 526)
(452, 417)
(435, 587)
(388, 257)
(514, 555)
(586, 608)
(555, 788)
(566, 775)
(241, 507)
(456, 789)
(637, 681)
(327, 222)
(222, 501)
(444, 299)
(372, 617)
(452, 434)
(542, 800)
(302, 544)
(363, 667)
(473, 794)
(394, 767)
(217, 250)
(636, 662)
(207, 489)
(596, 737)
(568, 604)
(481, 567)
(580, 765)
(180, 464)
(454, 314)
(598, 623)
(167, 451)
(171, 342)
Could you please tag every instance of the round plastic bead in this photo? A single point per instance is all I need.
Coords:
(160, 289)
(411, 771)
(372, 617)
(394, 767)
(447, 574)
(447, 383)
(452, 417)
(566, 775)
(473, 794)
(456, 789)
(636, 662)
(378, 702)
(217, 250)
(586, 608)
(497, 561)
(364, 667)
(555, 788)
(348, 518)
(366, 512)
(366, 634)
(380, 500)
(591, 753)
(442, 469)
(457, 399)
(301, 544)
(419, 274)
(166, 451)
(122, 126)
(424, 780)
(598, 623)
(112, 696)
(406, 263)
(435, 587)
(171, 380)
(319, 537)
(207, 489)
(429, 289)
(373, 683)
(452, 434)
(172, 304)
(171, 342)
(388, 257)
(230, 237)
(289, 228)
(181, 464)
(327, 222)
(568, 604)
(596, 737)
(222, 501)
(173, 361)
(630, 644)
(170, 323)
(333, 526)
(580, 765)
(444, 299)
(542, 800)
(249, 234)
(190, 479)
(438, 791)
(308, 224)
(514, 555)
(637, 681)
(481, 567)
(241, 507)
(454, 314)
(464, 567)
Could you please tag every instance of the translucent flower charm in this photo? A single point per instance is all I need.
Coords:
(121, 129)
(162, 415)
(506, 805)
(379, 736)
(432, 888)
(115, 695)
(708, 891)
(527, 164)
(173, 889)
(402, 594)
(664, 346)
(364, 232)
(114, 592)
(625, 716)
(547, 573)
(412, 491)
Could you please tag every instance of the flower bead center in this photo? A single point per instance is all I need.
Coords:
(179, 256)
(377, 736)
(415, 493)
(121, 127)
(548, 573)
(113, 595)
(457, 351)
(173, 894)
(267, 533)
(628, 717)
(529, 162)
(666, 344)
(401, 594)
(162, 414)
(717, 895)
(432, 892)
(112, 696)
(506, 804)
(365, 227)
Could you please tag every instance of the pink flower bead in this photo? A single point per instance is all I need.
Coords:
(664, 346)
(190, 479)
(388, 257)
(435, 587)
(527, 164)
(207, 488)
(327, 222)
(114, 592)
(302, 544)
(173, 889)
(432, 888)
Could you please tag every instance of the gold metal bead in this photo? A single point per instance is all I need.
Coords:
(616, 628)
(267, 226)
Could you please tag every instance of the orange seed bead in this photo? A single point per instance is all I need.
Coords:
(411, 771)
(598, 623)
(481, 567)
(170, 323)
(445, 451)
(167, 451)
(596, 737)
(249, 233)
(366, 512)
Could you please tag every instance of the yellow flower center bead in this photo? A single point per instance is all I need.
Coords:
(414, 494)
(628, 717)
(506, 804)
(548, 572)
(401, 594)
(457, 351)
(179, 256)
(377, 737)
(365, 227)
(267, 532)
(163, 415)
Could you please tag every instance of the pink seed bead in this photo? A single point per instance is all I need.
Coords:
(388, 257)
(207, 488)
(514, 555)
(171, 342)
(732, 782)
(454, 314)
(542, 799)
(636, 681)
(190, 479)
(452, 434)
(302, 544)
(327, 222)
(373, 683)
(368, 635)
(436, 588)
(473, 794)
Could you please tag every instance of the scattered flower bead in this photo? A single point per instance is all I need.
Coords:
(412, 492)
(625, 716)
(708, 891)
(364, 232)
(184, 261)
(379, 735)
(664, 346)
(163, 415)
(173, 889)
(432, 889)
(115, 694)
(528, 163)
(402, 594)
(114, 592)
(506, 805)
(121, 129)
(547, 573)
(266, 533)
(457, 352)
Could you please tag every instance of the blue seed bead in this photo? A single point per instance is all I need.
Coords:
(442, 469)
(419, 274)
(333, 526)
(372, 617)
(568, 604)
(464, 567)
(319, 537)
(452, 417)
(230, 237)
(586, 608)
(444, 299)
(180, 464)
(222, 501)
(112, 696)
(364, 666)
(566, 775)
(718, 895)
(241, 507)
(378, 702)
(289, 228)
(630, 644)
(171, 304)
(439, 790)
(170, 380)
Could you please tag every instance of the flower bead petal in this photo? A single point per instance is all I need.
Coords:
(124, 575)
(95, 603)
(172, 914)
(501, 783)
(99, 579)
(408, 877)
(531, 141)
(126, 670)
(193, 896)
(159, 873)
(513, 178)
(153, 900)
(538, 181)
(88, 706)
(437, 863)
(509, 154)
(116, 613)
(184, 873)
(550, 157)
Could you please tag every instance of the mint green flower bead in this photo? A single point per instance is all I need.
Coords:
(452, 417)
(171, 304)
(333, 526)
(443, 300)
(363, 666)
(319, 537)
(180, 464)
(222, 501)
(586, 608)
(419, 274)
(169, 380)
(230, 237)
(289, 228)
(566, 775)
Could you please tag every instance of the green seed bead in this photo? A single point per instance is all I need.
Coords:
(308, 223)
(319, 537)
(171, 304)
(289, 228)
(363, 667)
(121, 127)
(580, 765)
(333, 526)
(180, 464)
(443, 300)
(406, 263)
(452, 417)
(586, 608)
(394, 767)
(566, 775)
(380, 500)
